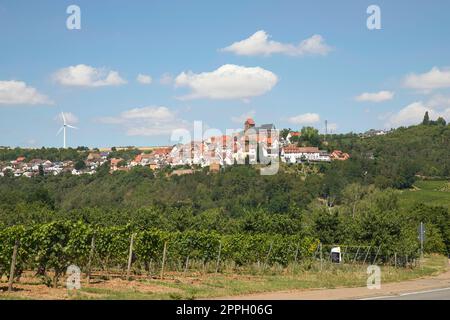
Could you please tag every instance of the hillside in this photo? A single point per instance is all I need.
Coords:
(422, 150)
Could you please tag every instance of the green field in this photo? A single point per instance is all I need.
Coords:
(427, 192)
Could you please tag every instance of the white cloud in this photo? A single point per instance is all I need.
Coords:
(241, 118)
(307, 118)
(445, 114)
(434, 79)
(70, 118)
(144, 79)
(413, 114)
(260, 44)
(86, 76)
(18, 92)
(166, 79)
(31, 142)
(227, 82)
(147, 121)
(375, 97)
(439, 101)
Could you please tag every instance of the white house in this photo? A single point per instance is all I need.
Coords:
(294, 154)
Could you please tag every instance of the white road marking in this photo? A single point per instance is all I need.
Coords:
(427, 291)
(380, 297)
(407, 294)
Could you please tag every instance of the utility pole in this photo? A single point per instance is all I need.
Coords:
(326, 129)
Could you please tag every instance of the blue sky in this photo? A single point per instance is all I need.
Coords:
(397, 72)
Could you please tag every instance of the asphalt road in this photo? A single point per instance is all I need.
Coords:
(434, 294)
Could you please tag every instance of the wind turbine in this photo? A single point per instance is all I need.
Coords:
(63, 128)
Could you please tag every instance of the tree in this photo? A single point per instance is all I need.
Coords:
(351, 195)
(294, 139)
(327, 226)
(284, 133)
(122, 163)
(80, 165)
(41, 170)
(426, 119)
(311, 136)
(441, 121)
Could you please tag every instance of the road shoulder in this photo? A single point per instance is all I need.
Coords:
(392, 289)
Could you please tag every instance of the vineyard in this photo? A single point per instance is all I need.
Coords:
(50, 248)
(42, 253)
(55, 246)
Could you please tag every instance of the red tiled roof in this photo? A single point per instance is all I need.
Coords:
(146, 156)
(309, 149)
(338, 154)
(250, 121)
(295, 149)
(115, 161)
(162, 151)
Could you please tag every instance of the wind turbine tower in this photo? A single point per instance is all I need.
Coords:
(63, 128)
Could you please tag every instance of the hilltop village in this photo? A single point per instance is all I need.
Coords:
(252, 145)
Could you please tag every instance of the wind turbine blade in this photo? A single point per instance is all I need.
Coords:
(59, 131)
(68, 125)
(64, 118)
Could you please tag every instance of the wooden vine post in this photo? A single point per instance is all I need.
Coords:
(356, 256)
(186, 266)
(267, 256)
(218, 257)
(91, 255)
(296, 254)
(130, 256)
(376, 255)
(163, 260)
(294, 265)
(321, 257)
(367, 254)
(13, 266)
